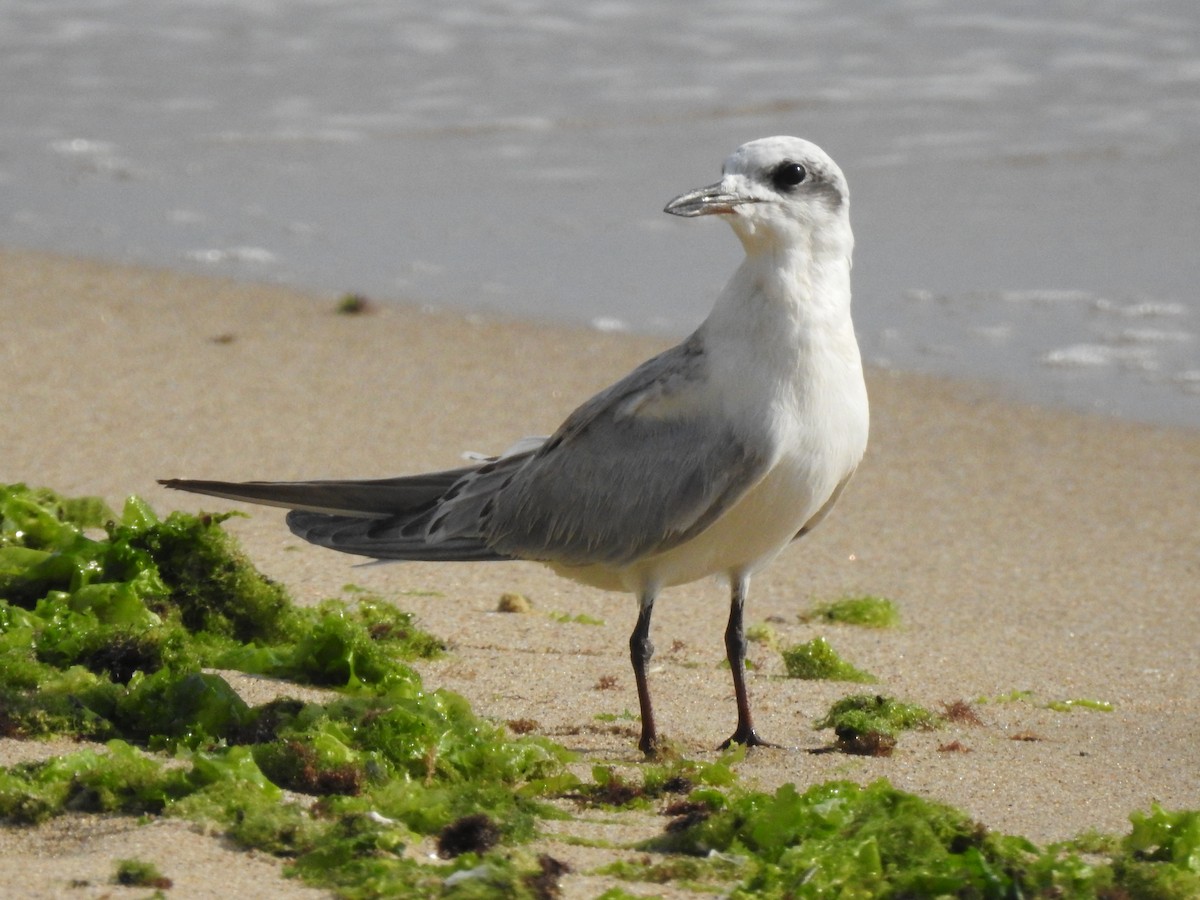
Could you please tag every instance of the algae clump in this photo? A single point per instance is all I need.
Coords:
(580, 619)
(815, 660)
(139, 873)
(114, 637)
(98, 633)
(1080, 703)
(866, 611)
(840, 839)
(868, 725)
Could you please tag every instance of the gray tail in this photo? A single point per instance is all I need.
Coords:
(376, 499)
(382, 518)
(393, 538)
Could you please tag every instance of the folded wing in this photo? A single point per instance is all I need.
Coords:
(637, 470)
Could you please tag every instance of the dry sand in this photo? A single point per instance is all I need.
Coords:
(1028, 550)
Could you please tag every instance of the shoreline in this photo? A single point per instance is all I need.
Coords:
(1006, 394)
(1029, 549)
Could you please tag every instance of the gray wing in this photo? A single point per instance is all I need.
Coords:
(636, 470)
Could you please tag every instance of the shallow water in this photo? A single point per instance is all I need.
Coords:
(1023, 178)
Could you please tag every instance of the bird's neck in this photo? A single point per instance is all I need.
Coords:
(783, 349)
(795, 296)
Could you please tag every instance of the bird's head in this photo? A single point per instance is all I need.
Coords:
(776, 191)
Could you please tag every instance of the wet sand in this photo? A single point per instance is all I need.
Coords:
(1028, 550)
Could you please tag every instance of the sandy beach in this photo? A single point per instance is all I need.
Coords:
(1028, 550)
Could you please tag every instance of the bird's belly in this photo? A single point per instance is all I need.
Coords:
(751, 532)
(745, 538)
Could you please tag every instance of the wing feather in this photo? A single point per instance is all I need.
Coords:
(637, 470)
(640, 468)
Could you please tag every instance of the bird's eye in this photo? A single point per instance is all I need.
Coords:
(788, 175)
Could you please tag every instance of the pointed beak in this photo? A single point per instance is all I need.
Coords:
(712, 200)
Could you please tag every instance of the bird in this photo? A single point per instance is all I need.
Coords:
(706, 460)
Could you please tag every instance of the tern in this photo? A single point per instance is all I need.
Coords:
(708, 459)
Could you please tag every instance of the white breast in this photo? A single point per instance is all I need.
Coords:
(824, 440)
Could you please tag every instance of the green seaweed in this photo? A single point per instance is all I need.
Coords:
(840, 839)
(97, 631)
(866, 611)
(212, 586)
(110, 629)
(353, 304)
(687, 872)
(815, 660)
(868, 724)
(110, 637)
(625, 715)
(170, 708)
(1160, 857)
(1080, 703)
(580, 619)
(1013, 696)
(610, 787)
(1065, 705)
(139, 873)
(764, 634)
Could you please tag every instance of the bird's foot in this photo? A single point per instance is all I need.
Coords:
(648, 744)
(746, 737)
(660, 749)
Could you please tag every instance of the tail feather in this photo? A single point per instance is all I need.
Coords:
(374, 499)
(385, 538)
(385, 518)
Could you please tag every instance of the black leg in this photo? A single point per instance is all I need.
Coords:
(735, 647)
(640, 651)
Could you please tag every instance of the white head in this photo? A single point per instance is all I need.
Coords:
(777, 191)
